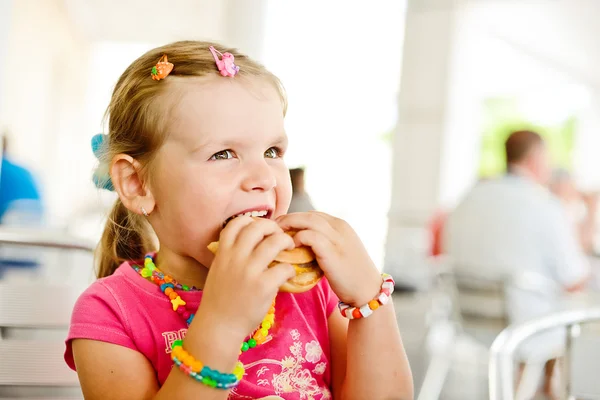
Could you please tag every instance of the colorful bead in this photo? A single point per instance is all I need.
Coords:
(146, 273)
(260, 340)
(365, 311)
(186, 358)
(387, 285)
(383, 299)
(186, 369)
(166, 286)
(348, 313)
(177, 302)
(373, 305)
(209, 377)
(387, 288)
(239, 371)
(196, 366)
(183, 359)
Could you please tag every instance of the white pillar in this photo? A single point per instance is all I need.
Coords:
(585, 157)
(419, 137)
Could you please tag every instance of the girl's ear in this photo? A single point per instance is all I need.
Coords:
(125, 174)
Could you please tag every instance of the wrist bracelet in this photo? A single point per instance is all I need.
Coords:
(195, 369)
(387, 288)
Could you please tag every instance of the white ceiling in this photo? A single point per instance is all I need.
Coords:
(560, 33)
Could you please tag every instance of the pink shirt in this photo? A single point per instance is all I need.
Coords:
(294, 363)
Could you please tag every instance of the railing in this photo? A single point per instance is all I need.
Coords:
(43, 238)
(502, 364)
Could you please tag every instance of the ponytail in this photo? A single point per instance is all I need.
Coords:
(127, 236)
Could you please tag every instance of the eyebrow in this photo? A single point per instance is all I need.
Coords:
(279, 140)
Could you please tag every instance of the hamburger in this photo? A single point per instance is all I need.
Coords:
(302, 258)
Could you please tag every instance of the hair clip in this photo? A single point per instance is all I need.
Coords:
(225, 63)
(162, 69)
(101, 177)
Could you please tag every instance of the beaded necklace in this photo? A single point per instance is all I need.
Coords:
(168, 286)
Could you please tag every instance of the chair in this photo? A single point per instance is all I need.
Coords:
(477, 314)
(501, 363)
(34, 321)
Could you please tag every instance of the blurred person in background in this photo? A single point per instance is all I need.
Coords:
(20, 206)
(300, 199)
(580, 207)
(20, 200)
(511, 226)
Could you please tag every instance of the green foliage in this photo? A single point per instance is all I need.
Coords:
(502, 117)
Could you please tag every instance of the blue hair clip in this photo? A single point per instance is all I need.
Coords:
(101, 177)
(98, 145)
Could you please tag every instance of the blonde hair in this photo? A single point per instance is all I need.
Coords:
(137, 127)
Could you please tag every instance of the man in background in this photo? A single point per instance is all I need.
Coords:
(512, 226)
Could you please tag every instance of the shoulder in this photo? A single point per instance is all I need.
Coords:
(103, 306)
(100, 313)
(104, 292)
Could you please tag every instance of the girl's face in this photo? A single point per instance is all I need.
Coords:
(223, 156)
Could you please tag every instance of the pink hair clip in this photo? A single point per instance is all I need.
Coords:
(225, 63)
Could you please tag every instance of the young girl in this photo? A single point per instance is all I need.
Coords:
(196, 137)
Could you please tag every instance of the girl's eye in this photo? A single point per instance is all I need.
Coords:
(273, 152)
(222, 155)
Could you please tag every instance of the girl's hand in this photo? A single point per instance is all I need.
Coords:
(240, 287)
(340, 254)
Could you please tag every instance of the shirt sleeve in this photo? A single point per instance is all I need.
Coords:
(98, 315)
(567, 259)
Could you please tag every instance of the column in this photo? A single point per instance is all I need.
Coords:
(419, 137)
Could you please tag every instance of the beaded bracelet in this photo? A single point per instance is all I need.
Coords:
(387, 288)
(195, 369)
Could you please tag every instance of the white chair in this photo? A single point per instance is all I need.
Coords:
(477, 313)
(34, 321)
(502, 354)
